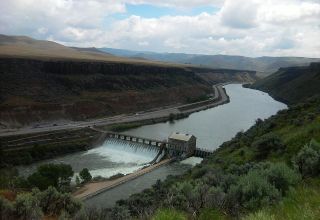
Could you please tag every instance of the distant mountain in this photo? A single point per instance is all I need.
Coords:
(292, 84)
(264, 65)
(92, 50)
(26, 47)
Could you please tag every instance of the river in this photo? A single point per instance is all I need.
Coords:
(212, 127)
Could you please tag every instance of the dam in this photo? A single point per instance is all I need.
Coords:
(212, 127)
(177, 144)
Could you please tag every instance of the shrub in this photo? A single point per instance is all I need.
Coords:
(27, 207)
(55, 203)
(281, 176)
(254, 191)
(308, 161)
(6, 209)
(120, 213)
(267, 143)
(215, 198)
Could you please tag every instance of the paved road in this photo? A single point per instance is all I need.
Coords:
(119, 118)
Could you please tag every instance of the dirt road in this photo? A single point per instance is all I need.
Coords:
(94, 188)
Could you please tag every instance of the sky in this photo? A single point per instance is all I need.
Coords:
(232, 27)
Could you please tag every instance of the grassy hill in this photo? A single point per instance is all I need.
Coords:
(292, 84)
(270, 171)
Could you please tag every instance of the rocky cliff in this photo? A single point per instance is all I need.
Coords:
(49, 89)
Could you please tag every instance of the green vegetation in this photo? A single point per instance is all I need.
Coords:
(124, 126)
(85, 175)
(57, 175)
(36, 204)
(300, 204)
(271, 171)
(293, 84)
(167, 214)
(130, 125)
(255, 172)
(21, 197)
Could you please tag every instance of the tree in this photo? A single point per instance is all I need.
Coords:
(57, 175)
(85, 175)
(77, 180)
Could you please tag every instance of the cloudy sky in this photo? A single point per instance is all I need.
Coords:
(234, 27)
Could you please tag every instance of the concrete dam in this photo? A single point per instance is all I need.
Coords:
(151, 154)
(178, 145)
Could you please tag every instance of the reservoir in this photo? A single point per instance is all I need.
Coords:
(212, 127)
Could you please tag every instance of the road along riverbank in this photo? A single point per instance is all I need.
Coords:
(220, 97)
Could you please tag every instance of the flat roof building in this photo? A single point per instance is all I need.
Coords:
(183, 142)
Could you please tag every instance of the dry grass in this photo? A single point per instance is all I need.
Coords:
(24, 47)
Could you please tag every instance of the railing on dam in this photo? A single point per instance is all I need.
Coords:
(171, 149)
(135, 139)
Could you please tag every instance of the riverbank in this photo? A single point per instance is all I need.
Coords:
(94, 188)
(147, 117)
(220, 97)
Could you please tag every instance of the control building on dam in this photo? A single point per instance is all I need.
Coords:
(179, 145)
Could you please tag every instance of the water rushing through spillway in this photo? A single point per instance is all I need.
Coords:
(112, 157)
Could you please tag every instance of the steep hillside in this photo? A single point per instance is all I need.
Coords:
(264, 65)
(33, 90)
(293, 84)
(46, 81)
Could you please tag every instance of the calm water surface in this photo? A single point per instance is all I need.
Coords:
(214, 126)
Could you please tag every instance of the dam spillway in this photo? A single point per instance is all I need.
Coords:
(144, 153)
(122, 156)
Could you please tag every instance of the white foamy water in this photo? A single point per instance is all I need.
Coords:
(126, 157)
(120, 151)
(192, 161)
(112, 157)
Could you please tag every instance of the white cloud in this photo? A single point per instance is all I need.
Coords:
(241, 27)
(178, 3)
(239, 14)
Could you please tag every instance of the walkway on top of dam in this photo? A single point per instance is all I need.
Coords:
(199, 152)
